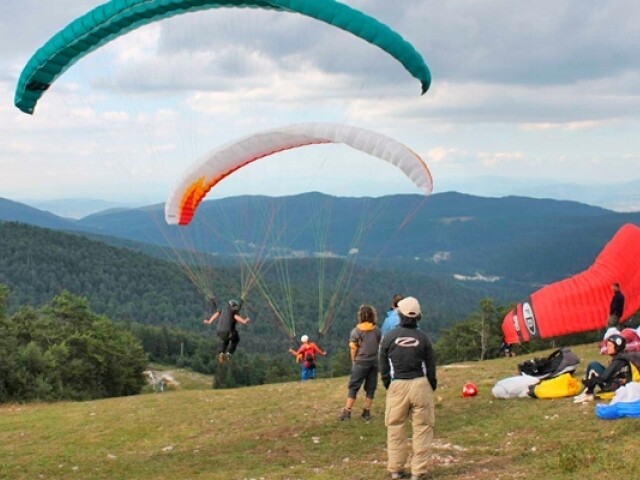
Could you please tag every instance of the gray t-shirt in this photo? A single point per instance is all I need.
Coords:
(367, 339)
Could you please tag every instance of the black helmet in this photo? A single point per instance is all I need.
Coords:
(619, 342)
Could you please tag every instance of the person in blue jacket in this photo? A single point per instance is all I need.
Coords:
(392, 319)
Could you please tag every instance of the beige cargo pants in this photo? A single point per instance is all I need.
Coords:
(409, 400)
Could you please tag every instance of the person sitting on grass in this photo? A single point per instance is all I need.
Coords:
(622, 369)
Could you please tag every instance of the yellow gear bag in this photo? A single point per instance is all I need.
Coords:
(557, 387)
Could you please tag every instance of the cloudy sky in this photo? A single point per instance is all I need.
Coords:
(523, 94)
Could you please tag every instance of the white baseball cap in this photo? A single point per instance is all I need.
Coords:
(409, 307)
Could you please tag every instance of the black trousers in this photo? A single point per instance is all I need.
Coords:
(230, 341)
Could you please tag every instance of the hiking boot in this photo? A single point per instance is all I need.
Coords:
(421, 476)
(366, 414)
(399, 475)
(227, 357)
(345, 415)
(583, 397)
(221, 358)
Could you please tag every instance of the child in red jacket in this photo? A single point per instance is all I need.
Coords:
(306, 355)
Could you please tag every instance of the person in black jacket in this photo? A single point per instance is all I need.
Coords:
(618, 373)
(227, 319)
(616, 307)
(408, 371)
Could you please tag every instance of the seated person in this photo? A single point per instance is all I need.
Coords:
(619, 372)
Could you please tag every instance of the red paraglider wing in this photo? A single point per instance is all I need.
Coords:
(581, 303)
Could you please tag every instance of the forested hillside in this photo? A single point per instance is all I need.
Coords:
(63, 351)
(521, 240)
(156, 301)
(37, 264)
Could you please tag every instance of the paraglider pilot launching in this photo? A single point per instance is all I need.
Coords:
(226, 330)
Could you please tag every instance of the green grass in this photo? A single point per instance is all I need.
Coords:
(291, 431)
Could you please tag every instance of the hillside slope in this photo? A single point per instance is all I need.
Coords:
(516, 238)
(37, 264)
(291, 431)
(520, 238)
(18, 212)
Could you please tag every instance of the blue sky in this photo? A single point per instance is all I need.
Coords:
(524, 95)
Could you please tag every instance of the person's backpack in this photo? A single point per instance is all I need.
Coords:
(560, 361)
(309, 360)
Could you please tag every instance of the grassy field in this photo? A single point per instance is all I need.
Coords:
(291, 431)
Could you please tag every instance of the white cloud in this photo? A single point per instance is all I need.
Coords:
(584, 125)
(118, 116)
(519, 89)
(20, 147)
(154, 149)
(497, 158)
(442, 154)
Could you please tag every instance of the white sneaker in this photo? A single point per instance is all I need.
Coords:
(583, 397)
(399, 475)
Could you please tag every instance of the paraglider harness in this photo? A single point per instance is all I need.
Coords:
(560, 361)
(634, 364)
(627, 372)
(555, 374)
(308, 360)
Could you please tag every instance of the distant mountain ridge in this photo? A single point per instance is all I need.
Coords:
(619, 196)
(517, 238)
(11, 211)
(75, 208)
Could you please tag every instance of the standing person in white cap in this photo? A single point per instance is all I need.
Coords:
(408, 371)
(306, 355)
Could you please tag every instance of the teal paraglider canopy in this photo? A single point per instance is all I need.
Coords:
(118, 17)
